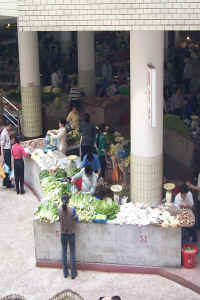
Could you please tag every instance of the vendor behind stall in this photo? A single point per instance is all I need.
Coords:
(60, 135)
(73, 118)
(184, 199)
(88, 133)
(89, 180)
(92, 160)
(101, 144)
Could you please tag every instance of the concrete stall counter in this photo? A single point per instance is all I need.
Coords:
(127, 245)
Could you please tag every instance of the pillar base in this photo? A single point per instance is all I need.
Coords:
(146, 180)
(87, 82)
(31, 111)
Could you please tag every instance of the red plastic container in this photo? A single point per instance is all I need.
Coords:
(188, 257)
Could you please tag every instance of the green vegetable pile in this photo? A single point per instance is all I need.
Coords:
(73, 171)
(188, 249)
(110, 210)
(86, 205)
(47, 213)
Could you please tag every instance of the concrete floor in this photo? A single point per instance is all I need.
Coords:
(19, 274)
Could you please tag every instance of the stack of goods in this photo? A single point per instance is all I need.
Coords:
(138, 214)
(88, 207)
(186, 217)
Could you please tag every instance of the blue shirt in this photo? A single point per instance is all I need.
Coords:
(94, 164)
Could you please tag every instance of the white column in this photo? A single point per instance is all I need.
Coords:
(177, 37)
(65, 42)
(30, 83)
(146, 47)
(86, 62)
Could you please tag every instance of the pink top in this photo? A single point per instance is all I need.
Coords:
(18, 151)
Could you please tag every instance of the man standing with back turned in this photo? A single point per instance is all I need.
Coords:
(66, 216)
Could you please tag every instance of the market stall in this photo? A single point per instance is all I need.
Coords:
(127, 233)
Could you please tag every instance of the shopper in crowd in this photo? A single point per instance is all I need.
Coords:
(6, 152)
(60, 135)
(73, 118)
(92, 160)
(187, 109)
(176, 102)
(18, 153)
(75, 95)
(89, 180)
(187, 74)
(106, 70)
(57, 78)
(88, 133)
(184, 199)
(101, 145)
(67, 216)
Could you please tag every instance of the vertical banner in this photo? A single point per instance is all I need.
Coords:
(151, 95)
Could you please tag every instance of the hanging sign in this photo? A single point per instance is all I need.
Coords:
(151, 95)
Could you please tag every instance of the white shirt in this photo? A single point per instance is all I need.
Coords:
(88, 183)
(187, 201)
(5, 139)
(61, 135)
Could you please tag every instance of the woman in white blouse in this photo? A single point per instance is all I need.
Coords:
(60, 135)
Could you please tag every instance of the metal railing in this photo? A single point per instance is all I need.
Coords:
(11, 113)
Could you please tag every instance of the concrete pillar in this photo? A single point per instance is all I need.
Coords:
(146, 47)
(86, 62)
(30, 84)
(166, 43)
(177, 37)
(65, 42)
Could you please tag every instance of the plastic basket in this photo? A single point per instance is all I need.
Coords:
(188, 257)
(67, 295)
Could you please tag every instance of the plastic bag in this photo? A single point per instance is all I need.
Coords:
(2, 173)
(6, 168)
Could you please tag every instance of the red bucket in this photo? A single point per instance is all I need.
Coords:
(188, 257)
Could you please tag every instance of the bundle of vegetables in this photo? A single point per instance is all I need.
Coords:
(73, 171)
(43, 174)
(84, 205)
(109, 210)
(54, 189)
(47, 212)
(60, 173)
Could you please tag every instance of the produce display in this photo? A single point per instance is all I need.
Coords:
(186, 217)
(47, 213)
(138, 214)
(88, 207)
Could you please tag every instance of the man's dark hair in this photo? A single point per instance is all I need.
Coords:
(90, 155)
(102, 127)
(63, 121)
(86, 117)
(17, 139)
(65, 200)
(88, 170)
(116, 298)
(184, 189)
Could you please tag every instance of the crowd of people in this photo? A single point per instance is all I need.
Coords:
(181, 88)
